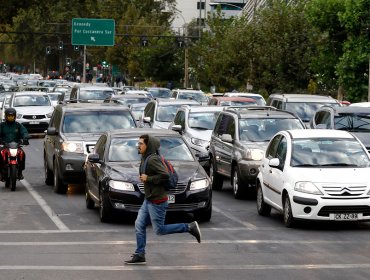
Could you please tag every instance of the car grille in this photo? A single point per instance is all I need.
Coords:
(34, 117)
(344, 191)
(326, 210)
(180, 188)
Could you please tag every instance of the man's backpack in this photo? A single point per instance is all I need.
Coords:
(172, 180)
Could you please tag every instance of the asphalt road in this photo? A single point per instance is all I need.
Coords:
(44, 235)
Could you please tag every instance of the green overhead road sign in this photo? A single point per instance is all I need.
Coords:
(93, 32)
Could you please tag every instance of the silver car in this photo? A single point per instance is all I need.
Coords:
(196, 125)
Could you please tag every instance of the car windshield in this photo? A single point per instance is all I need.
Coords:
(96, 121)
(166, 113)
(203, 120)
(95, 94)
(328, 152)
(160, 93)
(137, 112)
(262, 130)
(355, 122)
(31, 100)
(259, 100)
(54, 97)
(47, 84)
(236, 103)
(197, 96)
(125, 149)
(130, 101)
(306, 110)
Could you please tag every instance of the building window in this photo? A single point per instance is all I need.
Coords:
(201, 4)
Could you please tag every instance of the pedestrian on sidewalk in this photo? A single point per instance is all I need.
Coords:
(153, 209)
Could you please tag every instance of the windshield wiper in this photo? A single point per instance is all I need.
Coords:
(339, 164)
(306, 165)
(199, 127)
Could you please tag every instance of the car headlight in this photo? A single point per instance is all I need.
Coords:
(19, 116)
(199, 185)
(48, 115)
(199, 142)
(73, 147)
(121, 186)
(307, 187)
(253, 154)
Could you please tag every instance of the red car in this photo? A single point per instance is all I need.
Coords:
(232, 101)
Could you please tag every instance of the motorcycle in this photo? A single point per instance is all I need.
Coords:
(10, 155)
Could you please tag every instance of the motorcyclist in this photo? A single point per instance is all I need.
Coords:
(13, 131)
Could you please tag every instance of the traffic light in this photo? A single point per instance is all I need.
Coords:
(76, 48)
(60, 45)
(144, 41)
(180, 42)
(48, 50)
(68, 61)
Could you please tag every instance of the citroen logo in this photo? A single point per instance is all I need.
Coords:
(34, 117)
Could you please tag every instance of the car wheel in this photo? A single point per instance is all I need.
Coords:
(204, 215)
(105, 209)
(238, 189)
(49, 180)
(90, 204)
(287, 213)
(262, 208)
(216, 179)
(59, 185)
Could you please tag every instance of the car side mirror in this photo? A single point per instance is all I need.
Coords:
(202, 157)
(147, 119)
(227, 138)
(94, 158)
(275, 162)
(51, 131)
(177, 128)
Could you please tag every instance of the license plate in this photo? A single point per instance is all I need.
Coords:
(345, 216)
(171, 198)
(34, 122)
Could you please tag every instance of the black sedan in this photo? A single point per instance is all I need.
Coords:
(112, 175)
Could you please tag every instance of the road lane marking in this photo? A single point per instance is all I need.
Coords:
(159, 242)
(58, 222)
(247, 225)
(190, 267)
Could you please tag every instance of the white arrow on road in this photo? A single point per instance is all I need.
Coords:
(92, 39)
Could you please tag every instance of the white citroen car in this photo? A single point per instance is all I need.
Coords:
(315, 175)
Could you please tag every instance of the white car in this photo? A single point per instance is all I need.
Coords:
(34, 109)
(315, 175)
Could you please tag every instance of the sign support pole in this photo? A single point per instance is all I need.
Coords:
(84, 66)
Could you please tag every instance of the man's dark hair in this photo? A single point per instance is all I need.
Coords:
(145, 137)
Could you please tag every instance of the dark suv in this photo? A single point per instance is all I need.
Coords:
(238, 142)
(72, 133)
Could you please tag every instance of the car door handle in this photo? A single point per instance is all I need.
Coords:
(270, 170)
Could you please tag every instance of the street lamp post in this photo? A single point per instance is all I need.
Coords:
(186, 52)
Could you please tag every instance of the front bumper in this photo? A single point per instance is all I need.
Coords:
(248, 170)
(188, 201)
(311, 207)
(71, 167)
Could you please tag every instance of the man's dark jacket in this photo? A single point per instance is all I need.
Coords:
(12, 132)
(157, 174)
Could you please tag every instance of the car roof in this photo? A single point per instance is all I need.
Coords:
(242, 94)
(319, 133)
(264, 112)
(304, 97)
(91, 106)
(129, 96)
(203, 108)
(136, 132)
(234, 98)
(360, 104)
(352, 109)
(90, 87)
(165, 101)
(17, 93)
(188, 90)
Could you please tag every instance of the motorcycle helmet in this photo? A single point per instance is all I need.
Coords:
(10, 114)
